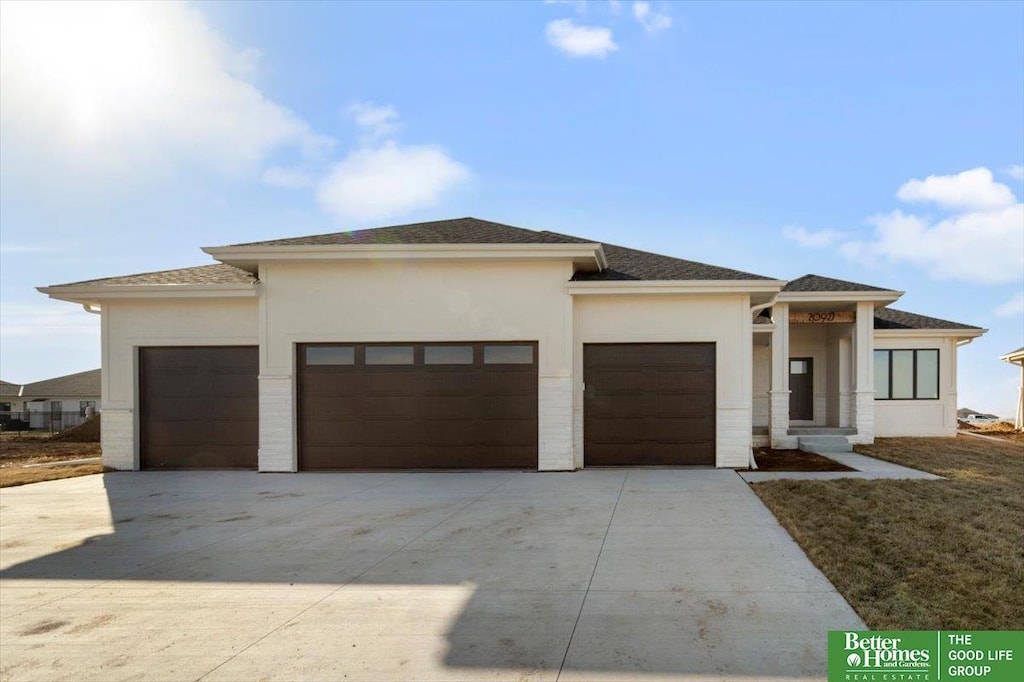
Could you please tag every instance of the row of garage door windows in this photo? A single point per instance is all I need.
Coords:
(505, 354)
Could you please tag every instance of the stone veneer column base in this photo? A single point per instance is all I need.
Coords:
(117, 438)
(277, 424)
(779, 428)
(863, 417)
(554, 424)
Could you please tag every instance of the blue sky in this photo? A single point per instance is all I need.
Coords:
(876, 142)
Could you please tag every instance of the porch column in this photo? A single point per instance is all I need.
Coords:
(863, 407)
(779, 393)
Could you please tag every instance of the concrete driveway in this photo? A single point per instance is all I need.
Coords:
(600, 574)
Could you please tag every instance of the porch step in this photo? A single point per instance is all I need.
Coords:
(824, 444)
(821, 431)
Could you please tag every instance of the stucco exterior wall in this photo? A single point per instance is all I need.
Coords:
(132, 323)
(723, 320)
(920, 417)
(414, 301)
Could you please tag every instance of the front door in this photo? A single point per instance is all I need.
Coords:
(801, 389)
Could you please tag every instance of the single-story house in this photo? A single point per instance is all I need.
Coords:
(466, 344)
(55, 403)
(1017, 358)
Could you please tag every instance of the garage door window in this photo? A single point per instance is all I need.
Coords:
(390, 355)
(330, 355)
(448, 355)
(508, 355)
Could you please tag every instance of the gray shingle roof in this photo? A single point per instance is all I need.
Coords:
(888, 318)
(455, 231)
(82, 384)
(629, 264)
(8, 389)
(819, 283)
(623, 263)
(218, 273)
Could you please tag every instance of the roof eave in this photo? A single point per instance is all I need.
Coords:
(94, 293)
(586, 256)
(958, 333)
(887, 296)
(675, 286)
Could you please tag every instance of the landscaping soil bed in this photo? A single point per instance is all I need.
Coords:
(794, 460)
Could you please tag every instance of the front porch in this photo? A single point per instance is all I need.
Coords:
(813, 372)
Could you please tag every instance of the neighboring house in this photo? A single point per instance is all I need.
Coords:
(54, 403)
(1017, 358)
(466, 343)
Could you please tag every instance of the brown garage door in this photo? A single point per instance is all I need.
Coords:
(417, 406)
(649, 403)
(199, 407)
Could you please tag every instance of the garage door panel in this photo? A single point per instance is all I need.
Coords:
(649, 404)
(682, 382)
(418, 416)
(677, 429)
(199, 407)
(316, 382)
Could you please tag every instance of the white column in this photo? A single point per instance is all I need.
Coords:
(863, 407)
(779, 403)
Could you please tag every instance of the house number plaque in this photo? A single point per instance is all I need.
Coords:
(829, 317)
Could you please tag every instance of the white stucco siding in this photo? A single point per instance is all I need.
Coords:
(132, 323)
(723, 320)
(415, 301)
(920, 417)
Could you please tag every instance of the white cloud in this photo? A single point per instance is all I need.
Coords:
(1012, 306)
(980, 241)
(580, 41)
(288, 178)
(976, 246)
(652, 21)
(1015, 171)
(380, 182)
(124, 87)
(812, 238)
(376, 121)
(972, 189)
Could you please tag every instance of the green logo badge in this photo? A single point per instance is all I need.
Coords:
(925, 656)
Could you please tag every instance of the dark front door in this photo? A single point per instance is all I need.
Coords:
(649, 403)
(199, 407)
(458, 405)
(801, 389)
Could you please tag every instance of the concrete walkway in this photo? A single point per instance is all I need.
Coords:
(602, 574)
(866, 467)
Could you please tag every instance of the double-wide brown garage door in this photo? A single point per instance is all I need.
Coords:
(417, 405)
(649, 404)
(199, 407)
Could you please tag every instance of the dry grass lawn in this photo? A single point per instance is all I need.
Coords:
(19, 450)
(919, 555)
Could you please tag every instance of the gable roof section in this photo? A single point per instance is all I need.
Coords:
(888, 318)
(626, 264)
(218, 273)
(455, 231)
(82, 384)
(7, 389)
(827, 284)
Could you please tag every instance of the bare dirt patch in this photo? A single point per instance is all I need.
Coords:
(919, 555)
(794, 460)
(19, 450)
(1002, 430)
